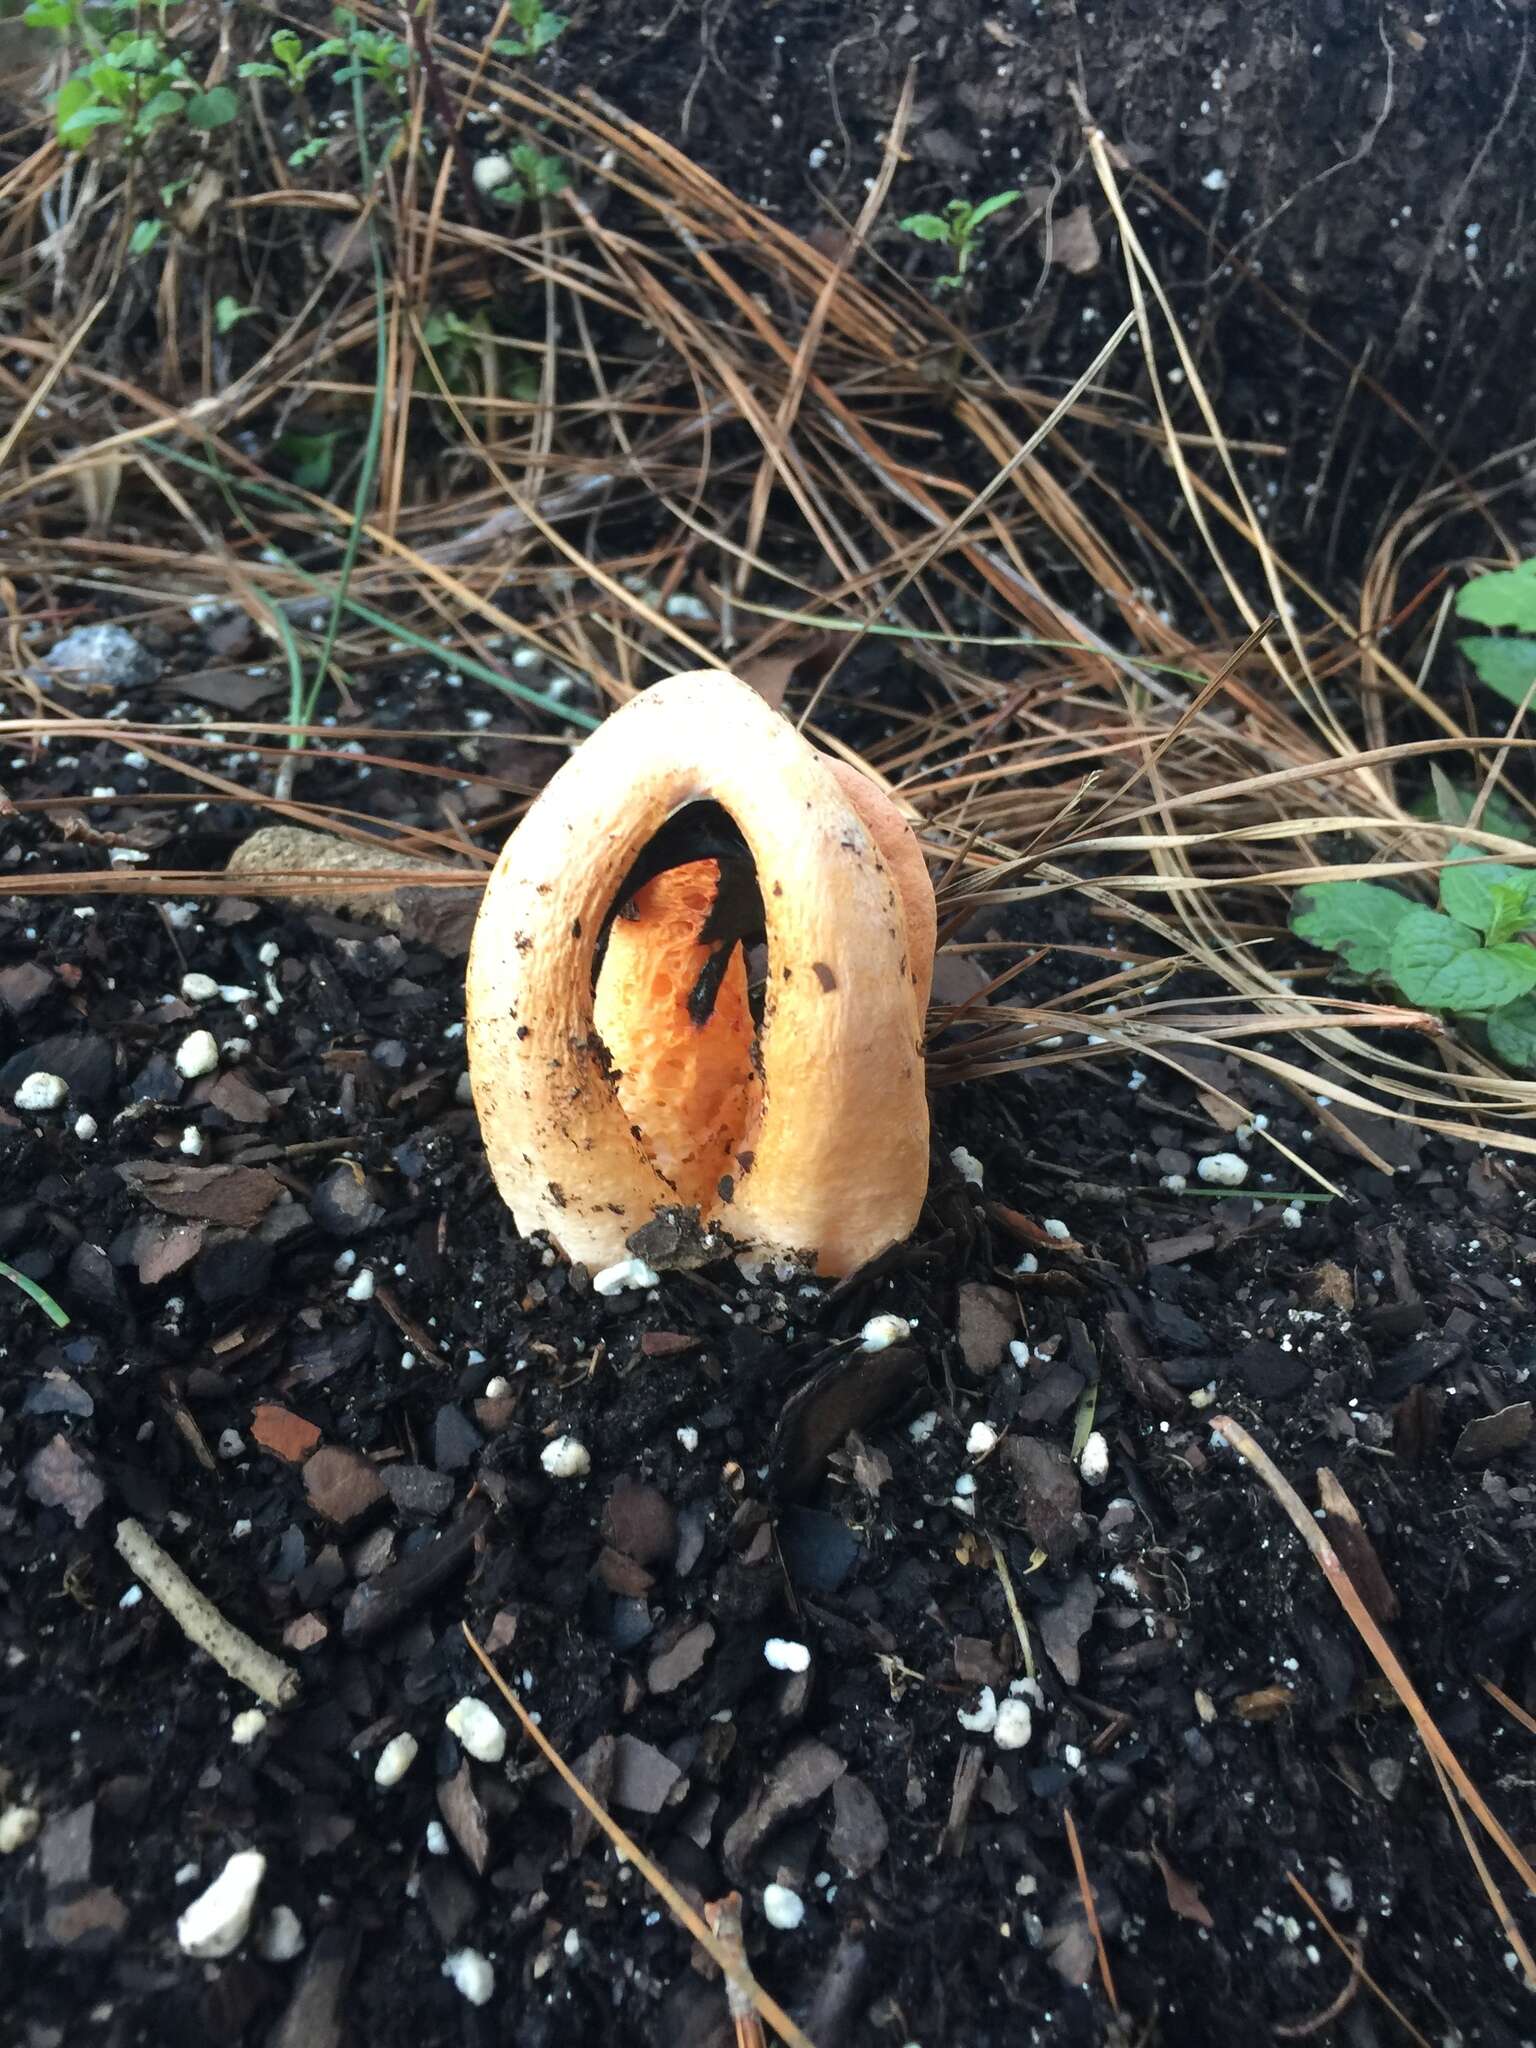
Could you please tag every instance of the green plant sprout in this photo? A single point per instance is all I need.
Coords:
(360, 56)
(228, 313)
(535, 176)
(373, 56)
(958, 227)
(1504, 597)
(463, 352)
(127, 80)
(294, 62)
(539, 28)
(1467, 959)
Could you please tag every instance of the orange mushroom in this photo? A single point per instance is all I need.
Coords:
(603, 1100)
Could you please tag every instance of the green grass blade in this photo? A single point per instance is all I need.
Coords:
(33, 1292)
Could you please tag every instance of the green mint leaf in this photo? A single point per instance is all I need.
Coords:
(213, 109)
(1507, 665)
(1512, 1033)
(145, 236)
(1466, 891)
(286, 47)
(1504, 597)
(136, 53)
(1355, 919)
(312, 457)
(261, 71)
(77, 129)
(1440, 965)
(1514, 910)
(1451, 803)
(163, 106)
(928, 227)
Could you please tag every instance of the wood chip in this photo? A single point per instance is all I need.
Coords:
(236, 1196)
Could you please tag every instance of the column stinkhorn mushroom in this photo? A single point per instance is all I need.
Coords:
(605, 1098)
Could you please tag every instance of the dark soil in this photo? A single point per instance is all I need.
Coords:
(1201, 1704)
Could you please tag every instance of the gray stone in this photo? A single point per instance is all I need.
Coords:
(101, 658)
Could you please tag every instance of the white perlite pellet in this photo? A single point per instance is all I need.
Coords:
(492, 172)
(470, 1973)
(782, 1908)
(1223, 1170)
(283, 1936)
(395, 1759)
(198, 988)
(477, 1729)
(786, 1656)
(85, 1128)
(18, 1828)
(566, 1458)
(218, 1920)
(982, 1439)
(197, 1054)
(881, 1332)
(967, 1165)
(245, 1728)
(982, 1718)
(620, 1278)
(41, 1091)
(1094, 1462)
(1015, 1725)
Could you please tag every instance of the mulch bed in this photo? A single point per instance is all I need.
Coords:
(351, 1469)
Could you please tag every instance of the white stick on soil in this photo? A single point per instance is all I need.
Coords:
(195, 1614)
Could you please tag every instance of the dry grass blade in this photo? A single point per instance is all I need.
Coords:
(1357, 1967)
(1511, 1707)
(724, 1918)
(1445, 1759)
(730, 1960)
(1091, 1910)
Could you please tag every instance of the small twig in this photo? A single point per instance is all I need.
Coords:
(1091, 1910)
(737, 1975)
(724, 1918)
(1352, 1955)
(195, 1614)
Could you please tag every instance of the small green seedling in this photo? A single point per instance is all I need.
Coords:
(536, 176)
(375, 57)
(1504, 597)
(294, 63)
(228, 313)
(1469, 958)
(539, 28)
(958, 227)
(463, 354)
(128, 80)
